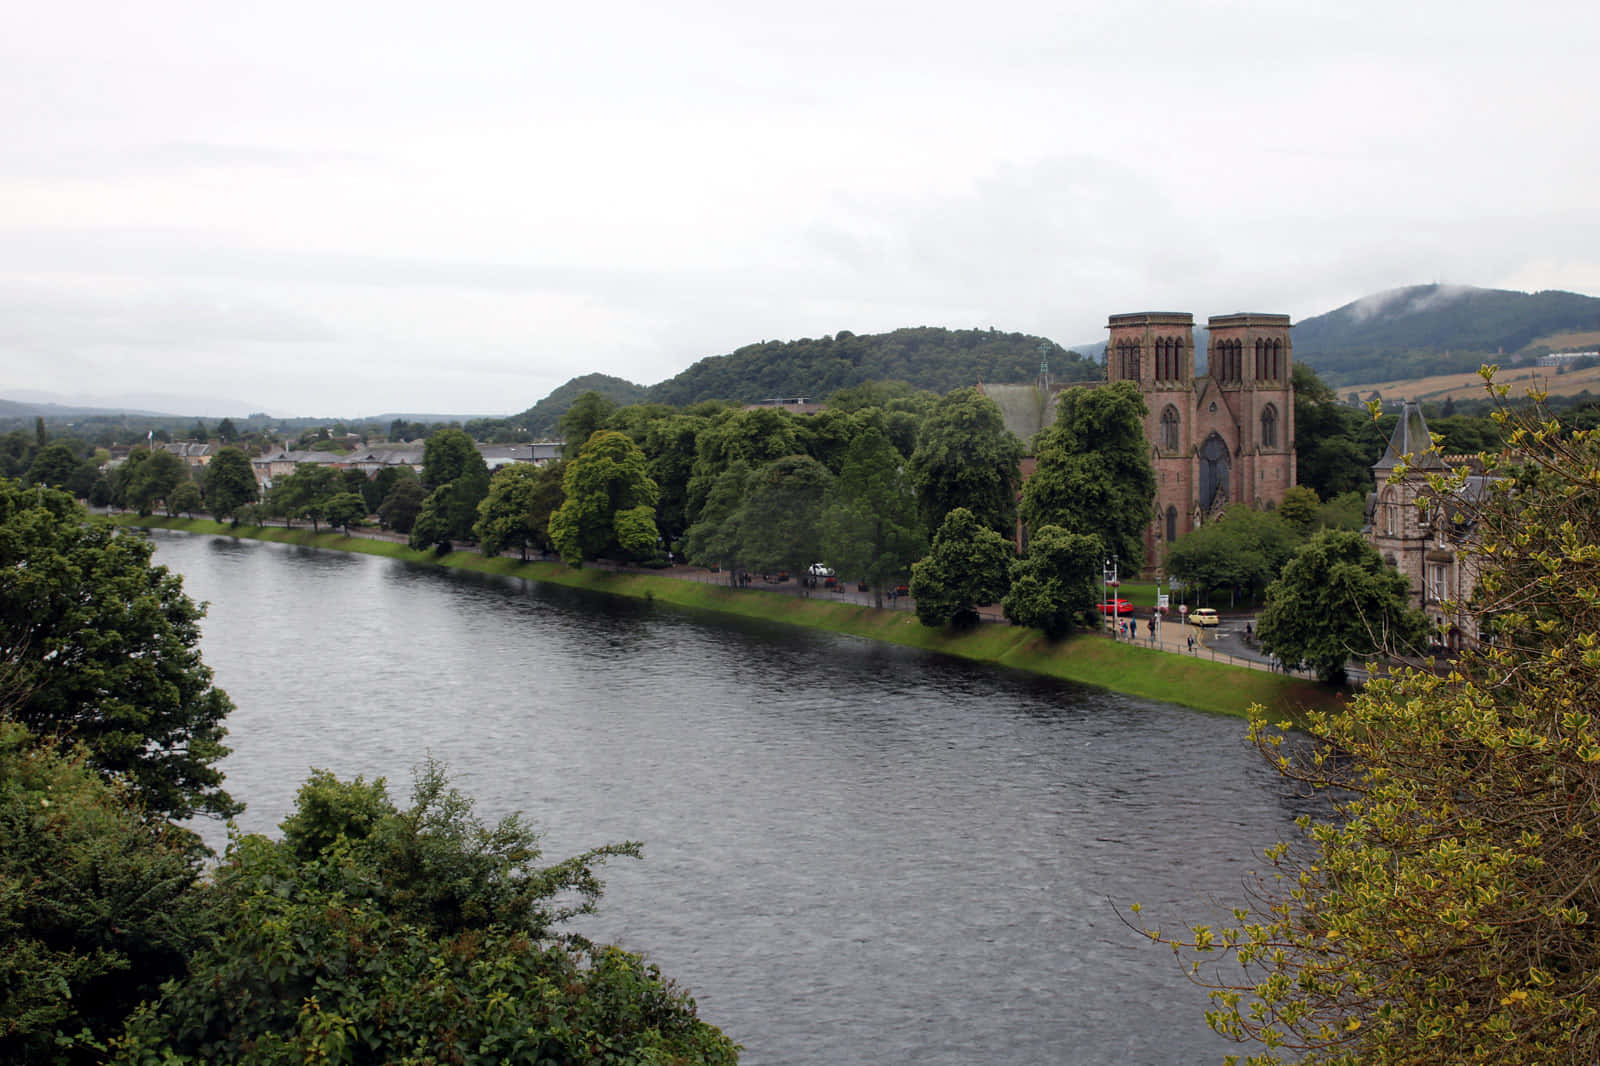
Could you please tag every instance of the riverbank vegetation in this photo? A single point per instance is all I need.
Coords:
(1186, 681)
(368, 933)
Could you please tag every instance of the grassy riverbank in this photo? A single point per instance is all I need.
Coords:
(1087, 659)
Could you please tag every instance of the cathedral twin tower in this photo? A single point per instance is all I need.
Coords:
(1226, 436)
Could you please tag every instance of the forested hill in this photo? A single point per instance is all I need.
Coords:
(926, 357)
(1433, 329)
(541, 418)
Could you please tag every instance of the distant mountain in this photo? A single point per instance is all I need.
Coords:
(1435, 329)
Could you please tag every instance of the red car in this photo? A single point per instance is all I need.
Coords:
(1117, 607)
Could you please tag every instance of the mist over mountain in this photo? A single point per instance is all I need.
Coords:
(1435, 329)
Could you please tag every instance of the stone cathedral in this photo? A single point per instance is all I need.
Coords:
(1225, 436)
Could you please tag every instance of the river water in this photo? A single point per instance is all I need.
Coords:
(854, 853)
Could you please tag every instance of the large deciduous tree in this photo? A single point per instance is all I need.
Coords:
(516, 512)
(374, 934)
(969, 566)
(105, 645)
(1443, 909)
(871, 528)
(456, 479)
(229, 482)
(782, 514)
(1056, 582)
(1335, 601)
(1094, 475)
(965, 457)
(610, 502)
(1244, 549)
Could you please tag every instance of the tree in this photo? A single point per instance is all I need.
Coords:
(587, 415)
(379, 485)
(871, 529)
(185, 499)
(401, 507)
(1300, 508)
(1242, 549)
(1094, 475)
(456, 477)
(99, 906)
(968, 566)
(610, 502)
(230, 482)
(717, 538)
(966, 457)
(1442, 907)
(149, 477)
(227, 432)
(345, 509)
(1336, 600)
(373, 934)
(506, 516)
(55, 464)
(1056, 582)
(106, 646)
(198, 431)
(781, 514)
(305, 493)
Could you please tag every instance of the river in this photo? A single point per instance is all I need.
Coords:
(854, 853)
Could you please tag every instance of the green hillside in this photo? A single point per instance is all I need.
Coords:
(541, 418)
(1435, 329)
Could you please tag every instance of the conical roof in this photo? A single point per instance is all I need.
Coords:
(1410, 443)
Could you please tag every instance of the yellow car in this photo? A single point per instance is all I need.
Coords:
(1203, 616)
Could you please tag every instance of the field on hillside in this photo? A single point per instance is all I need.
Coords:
(1469, 386)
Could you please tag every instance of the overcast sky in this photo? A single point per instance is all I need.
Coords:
(341, 208)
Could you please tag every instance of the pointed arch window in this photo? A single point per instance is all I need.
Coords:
(1169, 429)
(1172, 524)
(1269, 426)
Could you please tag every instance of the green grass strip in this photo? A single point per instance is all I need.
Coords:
(1085, 659)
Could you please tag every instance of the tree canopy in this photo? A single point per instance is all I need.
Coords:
(968, 566)
(965, 457)
(1056, 582)
(610, 502)
(1442, 907)
(106, 647)
(229, 482)
(1094, 475)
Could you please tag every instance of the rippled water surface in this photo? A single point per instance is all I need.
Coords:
(853, 853)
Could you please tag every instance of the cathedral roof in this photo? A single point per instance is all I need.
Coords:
(1410, 443)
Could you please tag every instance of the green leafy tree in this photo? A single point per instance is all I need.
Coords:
(230, 483)
(185, 499)
(717, 538)
(227, 432)
(106, 647)
(610, 502)
(1442, 908)
(1335, 601)
(55, 464)
(148, 477)
(1094, 475)
(1300, 508)
(345, 509)
(965, 457)
(1244, 549)
(968, 566)
(399, 509)
(456, 477)
(755, 438)
(781, 522)
(373, 934)
(871, 528)
(379, 485)
(98, 903)
(306, 492)
(1056, 583)
(507, 515)
(587, 415)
